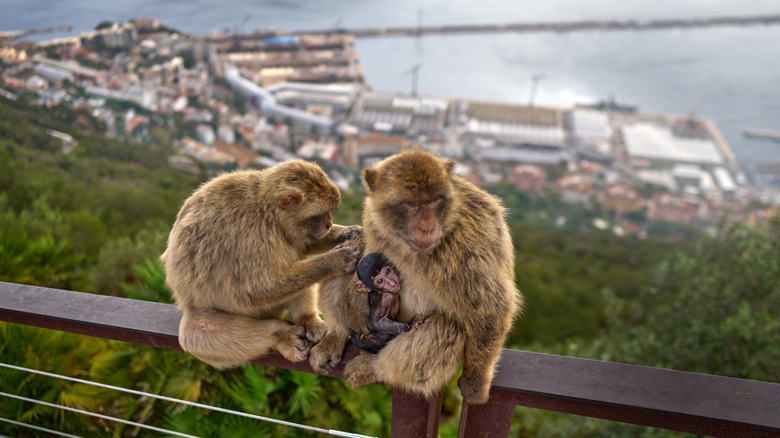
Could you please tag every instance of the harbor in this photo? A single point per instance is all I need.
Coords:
(689, 156)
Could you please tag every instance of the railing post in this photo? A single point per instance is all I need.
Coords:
(414, 416)
(490, 420)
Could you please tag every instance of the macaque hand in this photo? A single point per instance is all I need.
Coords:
(416, 321)
(351, 232)
(361, 287)
(343, 257)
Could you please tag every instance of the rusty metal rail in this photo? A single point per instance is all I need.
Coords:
(675, 400)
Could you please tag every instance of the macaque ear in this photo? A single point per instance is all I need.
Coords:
(290, 200)
(449, 165)
(369, 179)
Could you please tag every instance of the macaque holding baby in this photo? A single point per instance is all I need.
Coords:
(379, 278)
(450, 241)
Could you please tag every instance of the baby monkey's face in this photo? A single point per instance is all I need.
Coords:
(387, 280)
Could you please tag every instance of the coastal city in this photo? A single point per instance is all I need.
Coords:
(235, 100)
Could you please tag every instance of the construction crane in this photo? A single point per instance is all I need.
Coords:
(413, 71)
(243, 22)
(240, 30)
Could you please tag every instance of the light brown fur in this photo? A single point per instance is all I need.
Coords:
(344, 309)
(237, 262)
(450, 242)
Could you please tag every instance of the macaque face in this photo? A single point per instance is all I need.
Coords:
(387, 280)
(318, 226)
(423, 231)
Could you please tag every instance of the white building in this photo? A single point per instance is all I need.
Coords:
(591, 124)
(724, 180)
(53, 74)
(648, 142)
(205, 134)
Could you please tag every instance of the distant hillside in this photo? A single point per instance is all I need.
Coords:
(108, 205)
(105, 200)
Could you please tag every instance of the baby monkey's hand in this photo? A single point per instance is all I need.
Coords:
(417, 321)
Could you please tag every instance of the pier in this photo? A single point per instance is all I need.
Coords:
(558, 27)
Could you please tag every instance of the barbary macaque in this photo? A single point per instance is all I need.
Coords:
(450, 242)
(237, 262)
(379, 278)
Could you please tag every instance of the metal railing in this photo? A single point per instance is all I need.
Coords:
(330, 432)
(675, 400)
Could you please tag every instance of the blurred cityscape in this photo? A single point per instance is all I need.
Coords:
(237, 100)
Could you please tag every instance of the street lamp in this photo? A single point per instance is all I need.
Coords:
(534, 80)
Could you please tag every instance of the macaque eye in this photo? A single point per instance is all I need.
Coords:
(315, 221)
(409, 205)
(387, 272)
(380, 281)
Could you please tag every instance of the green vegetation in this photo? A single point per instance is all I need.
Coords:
(710, 309)
(562, 277)
(96, 220)
(105, 24)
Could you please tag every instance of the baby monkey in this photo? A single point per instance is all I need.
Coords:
(379, 278)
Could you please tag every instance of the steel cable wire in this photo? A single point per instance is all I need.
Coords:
(169, 399)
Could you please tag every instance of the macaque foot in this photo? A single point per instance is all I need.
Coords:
(359, 371)
(291, 343)
(474, 391)
(315, 328)
(326, 355)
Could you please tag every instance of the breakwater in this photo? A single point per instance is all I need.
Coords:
(565, 26)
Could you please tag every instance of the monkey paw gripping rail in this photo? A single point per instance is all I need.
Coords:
(675, 400)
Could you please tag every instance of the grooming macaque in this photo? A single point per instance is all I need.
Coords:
(237, 262)
(450, 242)
(380, 279)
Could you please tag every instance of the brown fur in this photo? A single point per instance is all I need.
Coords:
(450, 242)
(237, 262)
(344, 309)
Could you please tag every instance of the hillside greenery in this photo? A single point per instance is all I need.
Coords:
(96, 220)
